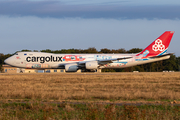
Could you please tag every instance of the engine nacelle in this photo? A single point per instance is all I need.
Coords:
(91, 65)
(71, 67)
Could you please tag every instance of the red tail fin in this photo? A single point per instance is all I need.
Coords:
(159, 46)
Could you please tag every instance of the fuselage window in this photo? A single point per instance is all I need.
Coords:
(73, 58)
(55, 70)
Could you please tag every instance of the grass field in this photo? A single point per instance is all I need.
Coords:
(161, 88)
(37, 111)
(113, 87)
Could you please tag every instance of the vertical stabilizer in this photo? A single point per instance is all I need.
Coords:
(159, 46)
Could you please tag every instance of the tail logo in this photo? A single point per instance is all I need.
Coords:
(158, 46)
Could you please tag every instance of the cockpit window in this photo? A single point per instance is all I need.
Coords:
(16, 53)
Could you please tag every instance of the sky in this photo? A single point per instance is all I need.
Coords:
(80, 24)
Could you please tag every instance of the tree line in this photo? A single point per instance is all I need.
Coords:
(171, 64)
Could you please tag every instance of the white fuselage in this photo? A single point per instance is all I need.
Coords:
(39, 60)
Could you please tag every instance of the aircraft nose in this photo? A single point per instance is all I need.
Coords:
(7, 61)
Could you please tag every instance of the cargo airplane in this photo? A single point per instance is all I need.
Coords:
(156, 51)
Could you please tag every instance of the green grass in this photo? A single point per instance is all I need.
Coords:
(66, 111)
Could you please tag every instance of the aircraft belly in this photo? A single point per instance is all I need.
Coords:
(118, 65)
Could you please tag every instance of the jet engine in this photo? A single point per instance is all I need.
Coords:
(71, 68)
(91, 65)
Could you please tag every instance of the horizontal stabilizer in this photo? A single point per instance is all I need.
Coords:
(162, 55)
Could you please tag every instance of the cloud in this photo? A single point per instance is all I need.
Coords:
(58, 9)
(115, 2)
(65, 24)
(36, 33)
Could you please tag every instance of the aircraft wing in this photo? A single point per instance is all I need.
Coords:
(111, 60)
(106, 61)
(82, 64)
(102, 62)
